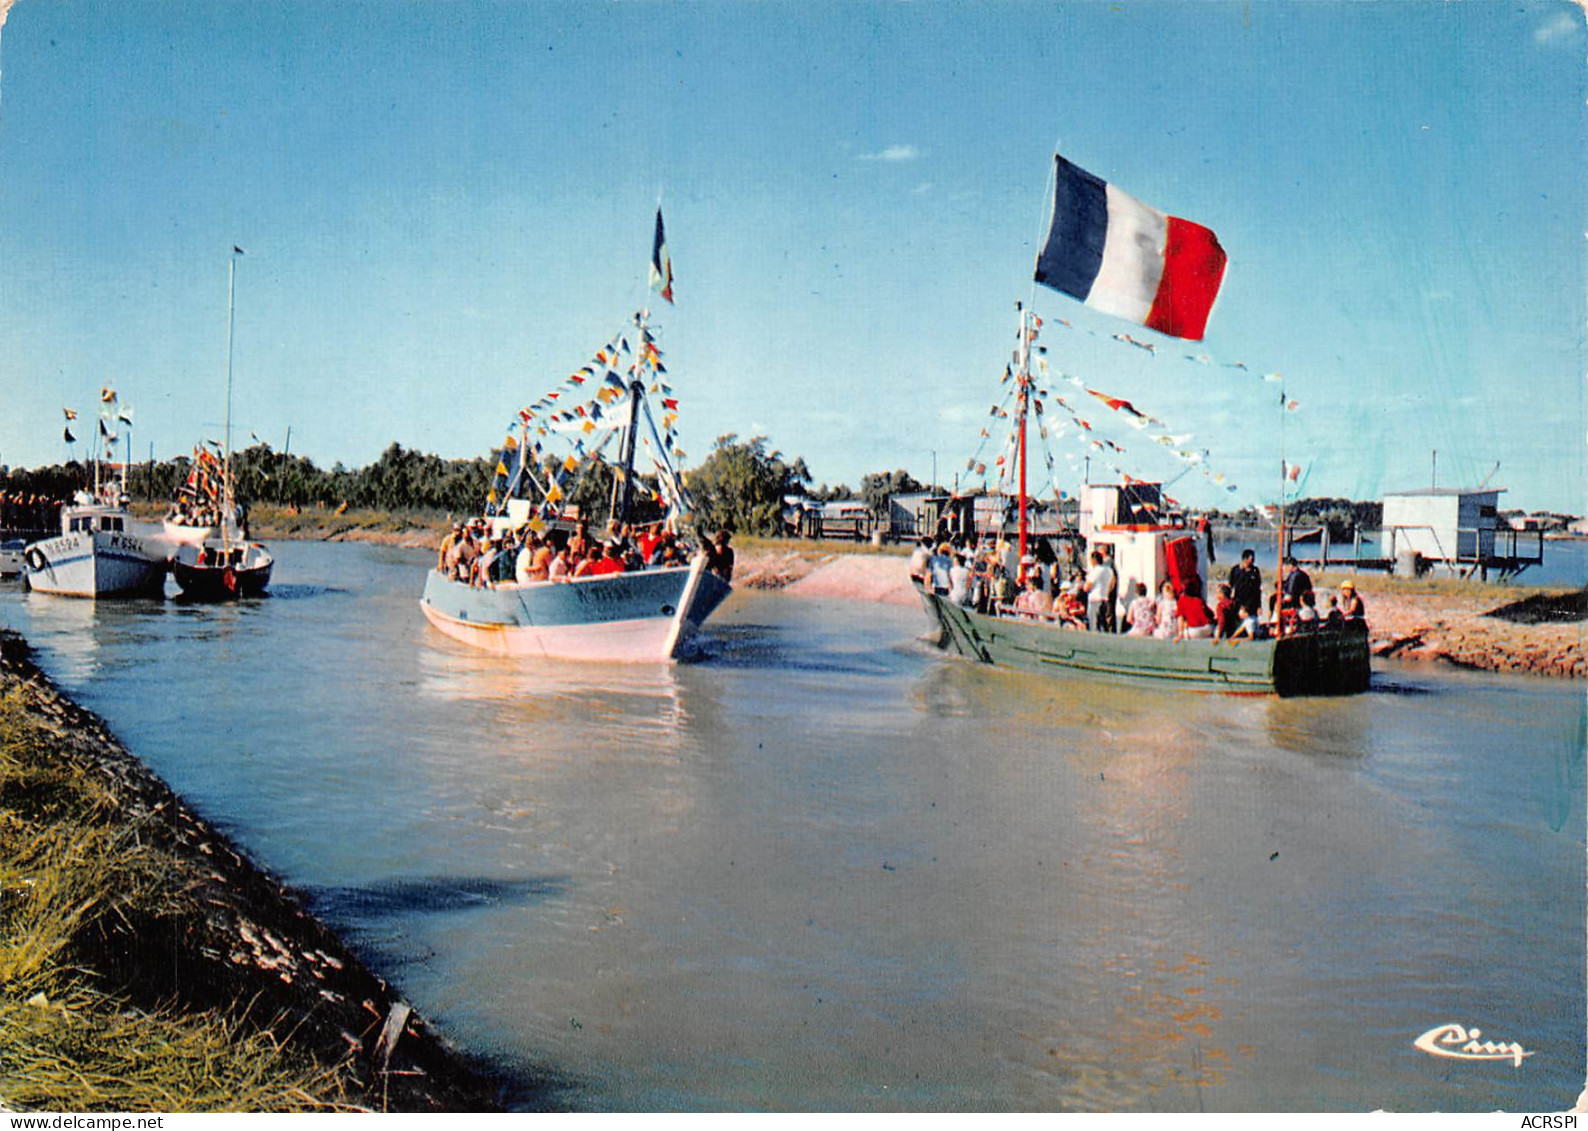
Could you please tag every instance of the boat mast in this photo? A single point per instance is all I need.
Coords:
(624, 491)
(1023, 378)
(226, 466)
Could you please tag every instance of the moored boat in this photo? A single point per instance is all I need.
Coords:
(100, 552)
(215, 560)
(219, 570)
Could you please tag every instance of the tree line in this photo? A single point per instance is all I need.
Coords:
(740, 485)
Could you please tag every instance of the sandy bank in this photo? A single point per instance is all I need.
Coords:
(1471, 626)
(227, 938)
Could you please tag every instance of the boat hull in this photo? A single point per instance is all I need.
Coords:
(1317, 663)
(247, 578)
(647, 616)
(96, 563)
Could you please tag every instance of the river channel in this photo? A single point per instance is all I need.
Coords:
(826, 867)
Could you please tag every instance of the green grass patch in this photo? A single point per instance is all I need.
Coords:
(78, 876)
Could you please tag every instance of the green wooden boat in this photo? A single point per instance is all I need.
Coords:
(1313, 663)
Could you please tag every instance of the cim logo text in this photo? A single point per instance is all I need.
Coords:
(1459, 1043)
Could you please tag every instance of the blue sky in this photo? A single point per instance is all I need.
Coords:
(446, 207)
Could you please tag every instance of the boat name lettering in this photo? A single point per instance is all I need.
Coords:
(1458, 1043)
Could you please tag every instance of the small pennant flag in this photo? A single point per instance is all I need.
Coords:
(661, 262)
(107, 395)
(66, 434)
(71, 413)
(125, 415)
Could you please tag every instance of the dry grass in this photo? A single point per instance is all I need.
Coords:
(75, 875)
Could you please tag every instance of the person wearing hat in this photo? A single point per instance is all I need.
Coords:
(1351, 605)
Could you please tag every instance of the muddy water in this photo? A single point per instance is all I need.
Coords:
(827, 867)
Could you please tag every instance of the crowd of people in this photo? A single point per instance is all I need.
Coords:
(22, 511)
(1056, 585)
(481, 554)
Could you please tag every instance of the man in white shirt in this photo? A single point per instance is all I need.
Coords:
(1099, 583)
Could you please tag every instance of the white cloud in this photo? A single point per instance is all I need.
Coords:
(922, 189)
(1561, 26)
(893, 153)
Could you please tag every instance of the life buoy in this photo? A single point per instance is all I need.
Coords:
(36, 559)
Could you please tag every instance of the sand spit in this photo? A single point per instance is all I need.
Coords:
(239, 939)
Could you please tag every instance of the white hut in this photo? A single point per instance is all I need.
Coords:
(1458, 528)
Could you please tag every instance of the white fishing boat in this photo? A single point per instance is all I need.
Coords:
(638, 615)
(101, 552)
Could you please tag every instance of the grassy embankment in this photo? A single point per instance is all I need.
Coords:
(73, 875)
(145, 965)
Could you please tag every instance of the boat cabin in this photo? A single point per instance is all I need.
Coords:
(1149, 542)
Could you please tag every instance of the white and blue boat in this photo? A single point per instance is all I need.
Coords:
(100, 552)
(641, 615)
(644, 616)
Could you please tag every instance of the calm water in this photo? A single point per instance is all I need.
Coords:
(830, 868)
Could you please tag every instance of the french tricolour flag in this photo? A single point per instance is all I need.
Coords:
(1117, 255)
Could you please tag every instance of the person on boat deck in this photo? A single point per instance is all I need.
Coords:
(1226, 613)
(584, 563)
(1110, 624)
(1249, 627)
(1351, 607)
(468, 554)
(938, 566)
(1099, 590)
(447, 543)
(1307, 613)
(1143, 611)
(1333, 619)
(1068, 606)
(1297, 581)
(1034, 600)
(719, 555)
(579, 544)
(959, 581)
(1166, 612)
(919, 557)
(484, 565)
(610, 561)
(1194, 620)
(649, 542)
(1246, 582)
(559, 569)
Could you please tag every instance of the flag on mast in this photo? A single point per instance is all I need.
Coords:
(1120, 256)
(661, 263)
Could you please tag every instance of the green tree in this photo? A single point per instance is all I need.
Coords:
(879, 486)
(741, 486)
